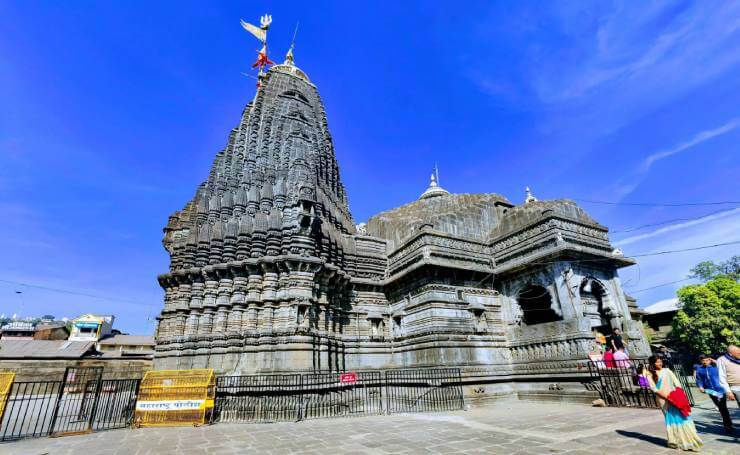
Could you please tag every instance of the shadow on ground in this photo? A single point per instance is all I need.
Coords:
(643, 437)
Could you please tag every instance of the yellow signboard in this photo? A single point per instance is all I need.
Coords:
(175, 397)
(6, 380)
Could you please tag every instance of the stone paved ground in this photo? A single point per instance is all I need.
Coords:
(512, 427)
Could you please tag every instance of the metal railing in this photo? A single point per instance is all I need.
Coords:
(437, 389)
(116, 404)
(267, 398)
(338, 395)
(619, 384)
(84, 402)
(293, 397)
(29, 410)
(80, 403)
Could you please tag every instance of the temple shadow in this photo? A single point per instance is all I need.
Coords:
(643, 437)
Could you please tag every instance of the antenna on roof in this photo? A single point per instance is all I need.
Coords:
(289, 56)
(295, 33)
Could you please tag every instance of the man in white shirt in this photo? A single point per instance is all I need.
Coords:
(729, 373)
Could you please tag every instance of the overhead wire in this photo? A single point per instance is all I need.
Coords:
(67, 291)
(657, 204)
(657, 253)
(661, 285)
(637, 228)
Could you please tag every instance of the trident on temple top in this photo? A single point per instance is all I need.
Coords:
(261, 34)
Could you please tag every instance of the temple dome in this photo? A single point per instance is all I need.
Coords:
(434, 190)
(288, 67)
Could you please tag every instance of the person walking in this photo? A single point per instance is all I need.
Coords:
(609, 358)
(707, 380)
(616, 340)
(675, 406)
(728, 368)
(622, 360)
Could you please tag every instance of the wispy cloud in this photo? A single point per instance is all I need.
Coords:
(678, 226)
(629, 183)
(696, 140)
(628, 55)
(659, 270)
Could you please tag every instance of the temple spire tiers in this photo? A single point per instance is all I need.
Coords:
(262, 240)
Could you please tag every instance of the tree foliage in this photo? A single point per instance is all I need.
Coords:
(709, 315)
(707, 270)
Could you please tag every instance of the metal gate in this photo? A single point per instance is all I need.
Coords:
(82, 402)
(76, 401)
(438, 389)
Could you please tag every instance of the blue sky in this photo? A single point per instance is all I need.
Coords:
(112, 112)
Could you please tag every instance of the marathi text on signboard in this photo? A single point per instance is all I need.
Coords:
(171, 405)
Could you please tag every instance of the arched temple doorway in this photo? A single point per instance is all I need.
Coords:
(597, 307)
(535, 302)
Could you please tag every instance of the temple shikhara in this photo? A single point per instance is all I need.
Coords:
(270, 273)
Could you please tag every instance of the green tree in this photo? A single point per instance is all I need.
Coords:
(707, 270)
(709, 315)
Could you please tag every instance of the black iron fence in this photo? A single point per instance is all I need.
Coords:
(116, 405)
(269, 398)
(272, 398)
(620, 384)
(80, 403)
(83, 402)
(438, 389)
(29, 409)
(337, 395)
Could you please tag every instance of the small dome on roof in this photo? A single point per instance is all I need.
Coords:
(434, 189)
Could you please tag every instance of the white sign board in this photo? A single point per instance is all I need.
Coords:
(170, 405)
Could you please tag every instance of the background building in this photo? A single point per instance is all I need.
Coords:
(17, 330)
(658, 318)
(42, 351)
(90, 327)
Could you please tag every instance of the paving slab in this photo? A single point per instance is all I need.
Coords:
(511, 427)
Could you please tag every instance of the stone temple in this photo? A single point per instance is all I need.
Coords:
(269, 272)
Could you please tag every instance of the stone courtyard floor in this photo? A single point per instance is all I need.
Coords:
(510, 427)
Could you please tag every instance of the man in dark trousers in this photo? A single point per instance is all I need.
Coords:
(708, 381)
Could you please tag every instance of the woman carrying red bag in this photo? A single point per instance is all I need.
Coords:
(675, 406)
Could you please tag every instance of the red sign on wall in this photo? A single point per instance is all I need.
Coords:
(348, 378)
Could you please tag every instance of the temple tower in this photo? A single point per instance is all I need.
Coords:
(258, 253)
